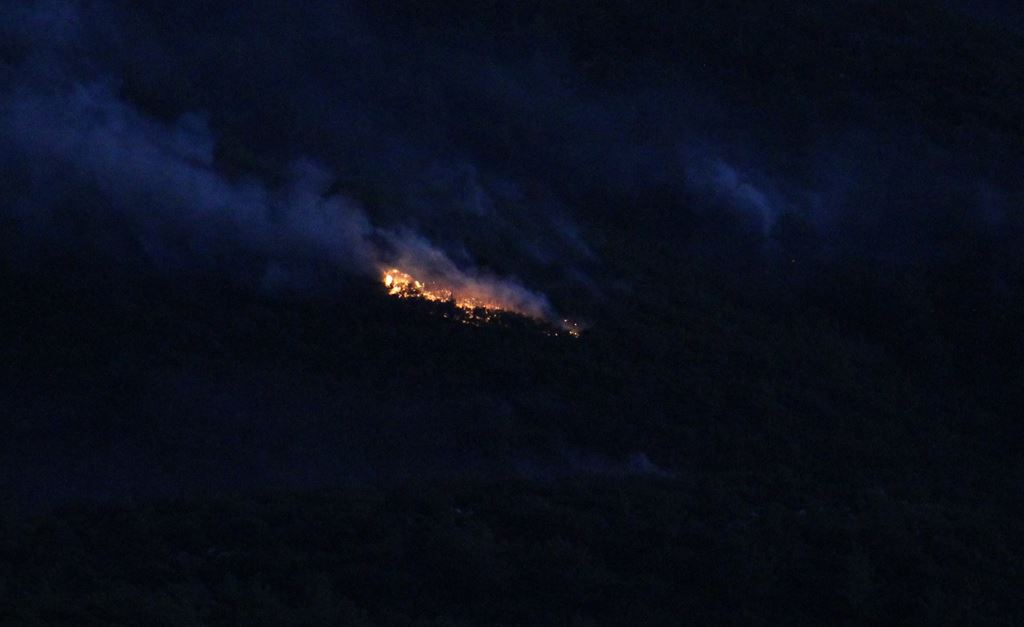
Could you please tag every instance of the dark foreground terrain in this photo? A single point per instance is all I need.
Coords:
(729, 550)
(833, 487)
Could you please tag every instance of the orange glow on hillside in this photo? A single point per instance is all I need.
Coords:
(403, 285)
(476, 309)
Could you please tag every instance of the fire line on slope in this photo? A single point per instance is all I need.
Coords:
(475, 311)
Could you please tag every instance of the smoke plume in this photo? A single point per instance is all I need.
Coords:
(87, 170)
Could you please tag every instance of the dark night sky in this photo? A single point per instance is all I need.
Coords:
(510, 144)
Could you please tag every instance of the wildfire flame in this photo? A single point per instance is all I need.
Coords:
(476, 310)
(403, 285)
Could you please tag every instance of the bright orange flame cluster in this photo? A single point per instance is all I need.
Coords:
(403, 285)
